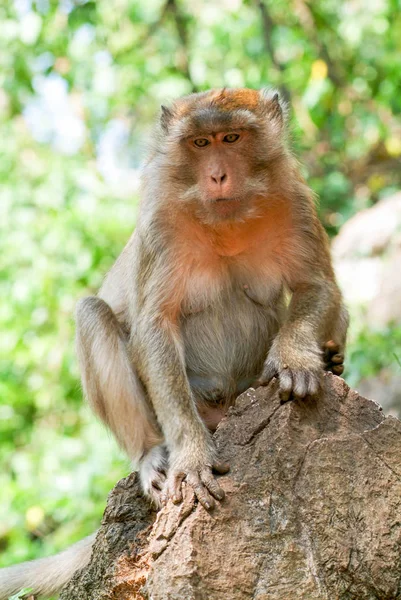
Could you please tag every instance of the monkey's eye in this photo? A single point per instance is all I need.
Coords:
(230, 138)
(201, 142)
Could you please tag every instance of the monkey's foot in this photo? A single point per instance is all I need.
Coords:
(200, 479)
(333, 357)
(152, 474)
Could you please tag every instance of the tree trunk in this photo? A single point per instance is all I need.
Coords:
(312, 511)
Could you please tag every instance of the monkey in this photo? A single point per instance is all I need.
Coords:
(226, 283)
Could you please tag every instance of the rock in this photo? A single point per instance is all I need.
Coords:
(385, 307)
(367, 255)
(367, 259)
(371, 231)
(385, 387)
(312, 511)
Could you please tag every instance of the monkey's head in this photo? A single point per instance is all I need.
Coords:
(221, 149)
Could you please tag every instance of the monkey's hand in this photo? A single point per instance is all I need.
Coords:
(196, 468)
(298, 366)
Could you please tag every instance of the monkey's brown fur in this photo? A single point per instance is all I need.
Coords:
(194, 311)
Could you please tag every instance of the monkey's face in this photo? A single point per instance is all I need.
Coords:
(221, 146)
(220, 162)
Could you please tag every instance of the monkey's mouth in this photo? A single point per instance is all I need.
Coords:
(229, 199)
(226, 207)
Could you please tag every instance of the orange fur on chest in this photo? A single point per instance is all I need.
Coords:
(260, 236)
(207, 259)
(268, 234)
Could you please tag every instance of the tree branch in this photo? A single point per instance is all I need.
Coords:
(267, 29)
(181, 26)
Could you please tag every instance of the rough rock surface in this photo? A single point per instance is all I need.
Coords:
(367, 255)
(385, 388)
(313, 511)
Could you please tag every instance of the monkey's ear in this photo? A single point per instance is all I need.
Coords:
(274, 107)
(166, 117)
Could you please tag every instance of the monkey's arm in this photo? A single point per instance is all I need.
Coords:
(158, 352)
(316, 315)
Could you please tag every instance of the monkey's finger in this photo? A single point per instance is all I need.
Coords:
(300, 384)
(286, 385)
(337, 359)
(269, 371)
(211, 484)
(176, 494)
(313, 385)
(200, 491)
(221, 468)
(338, 369)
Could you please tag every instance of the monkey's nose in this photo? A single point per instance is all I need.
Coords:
(219, 179)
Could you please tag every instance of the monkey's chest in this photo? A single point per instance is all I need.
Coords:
(221, 283)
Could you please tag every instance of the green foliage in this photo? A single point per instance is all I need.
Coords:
(80, 82)
(373, 350)
(21, 594)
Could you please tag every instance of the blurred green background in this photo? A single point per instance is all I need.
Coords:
(80, 82)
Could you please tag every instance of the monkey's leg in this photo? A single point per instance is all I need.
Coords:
(115, 392)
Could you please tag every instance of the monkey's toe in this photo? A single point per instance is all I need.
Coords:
(331, 346)
(336, 364)
(152, 474)
(211, 484)
(333, 357)
(158, 481)
(205, 486)
(154, 488)
(221, 468)
(201, 490)
(156, 497)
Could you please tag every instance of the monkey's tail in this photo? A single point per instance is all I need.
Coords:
(46, 576)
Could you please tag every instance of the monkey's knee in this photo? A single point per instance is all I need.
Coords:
(91, 308)
(98, 327)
